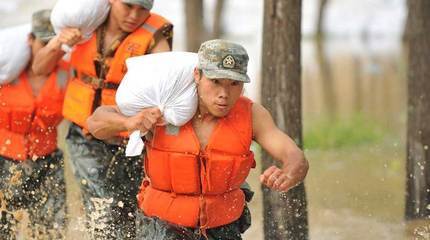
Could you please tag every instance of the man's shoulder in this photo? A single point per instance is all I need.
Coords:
(259, 113)
(242, 106)
(156, 25)
(244, 101)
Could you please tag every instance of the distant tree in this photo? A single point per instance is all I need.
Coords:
(285, 215)
(327, 79)
(358, 81)
(320, 19)
(194, 18)
(195, 30)
(407, 26)
(418, 133)
(217, 22)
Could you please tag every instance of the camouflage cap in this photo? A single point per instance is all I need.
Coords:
(147, 4)
(41, 25)
(223, 59)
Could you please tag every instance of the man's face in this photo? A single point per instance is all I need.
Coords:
(218, 96)
(128, 16)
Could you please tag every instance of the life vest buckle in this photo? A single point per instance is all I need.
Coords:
(96, 83)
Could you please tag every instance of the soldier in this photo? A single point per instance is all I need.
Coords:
(195, 172)
(31, 165)
(109, 181)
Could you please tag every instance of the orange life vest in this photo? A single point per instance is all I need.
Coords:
(81, 91)
(28, 124)
(195, 188)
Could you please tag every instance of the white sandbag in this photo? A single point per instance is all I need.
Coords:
(163, 80)
(87, 15)
(15, 52)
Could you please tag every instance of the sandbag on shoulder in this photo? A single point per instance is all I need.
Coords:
(163, 80)
(83, 14)
(15, 52)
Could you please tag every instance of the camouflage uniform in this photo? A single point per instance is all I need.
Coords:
(218, 59)
(32, 198)
(109, 181)
(32, 192)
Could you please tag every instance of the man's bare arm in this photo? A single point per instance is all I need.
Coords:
(47, 58)
(282, 148)
(162, 46)
(107, 122)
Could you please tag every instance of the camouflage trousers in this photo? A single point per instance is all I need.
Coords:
(32, 198)
(152, 228)
(109, 183)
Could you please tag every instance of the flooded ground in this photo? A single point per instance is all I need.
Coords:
(354, 113)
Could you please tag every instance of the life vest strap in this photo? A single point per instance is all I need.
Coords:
(196, 194)
(95, 82)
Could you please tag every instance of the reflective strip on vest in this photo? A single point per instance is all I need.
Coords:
(62, 76)
(149, 28)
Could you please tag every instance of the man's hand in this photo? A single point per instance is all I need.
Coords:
(282, 148)
(145, 120)
(284, 180)
(47, 58)
(67, 36)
